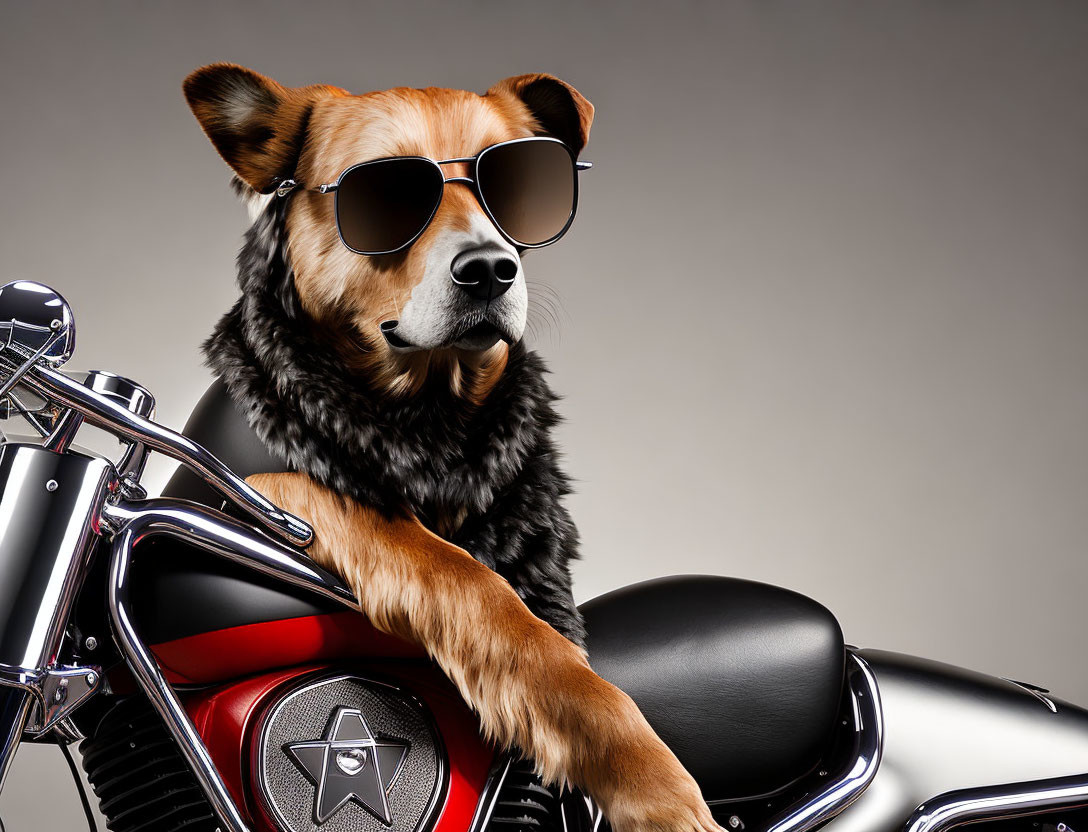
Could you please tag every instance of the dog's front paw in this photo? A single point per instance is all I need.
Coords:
(664, 813)
(659, 795)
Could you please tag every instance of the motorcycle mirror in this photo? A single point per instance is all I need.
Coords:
(36, 321)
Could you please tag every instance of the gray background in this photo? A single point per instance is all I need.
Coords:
(822, 321)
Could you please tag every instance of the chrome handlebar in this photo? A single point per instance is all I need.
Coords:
(79, 498)
(131, 427)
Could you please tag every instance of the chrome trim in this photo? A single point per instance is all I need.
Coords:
(1012, 800)
(1038, 693)
(57, 692)
(215, 532)
(583, 808)
(62, 691)
(224, 536)
(106, 413)
(64, 732)
(50, 515)
(62, 434)
(485, 806)
(855, 775)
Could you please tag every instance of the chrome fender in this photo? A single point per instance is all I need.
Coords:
(948, 729)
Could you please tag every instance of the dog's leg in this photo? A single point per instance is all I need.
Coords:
(532, 688)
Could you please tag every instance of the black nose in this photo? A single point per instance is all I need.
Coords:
(484, 273)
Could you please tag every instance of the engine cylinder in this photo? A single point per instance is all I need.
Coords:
(139, 776)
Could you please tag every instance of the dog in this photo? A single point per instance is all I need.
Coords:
(415, 424)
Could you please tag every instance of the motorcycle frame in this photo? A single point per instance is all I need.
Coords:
(214, 532)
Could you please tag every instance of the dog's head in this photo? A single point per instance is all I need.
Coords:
(409, 306)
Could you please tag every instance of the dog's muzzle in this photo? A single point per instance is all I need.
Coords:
(471, 295)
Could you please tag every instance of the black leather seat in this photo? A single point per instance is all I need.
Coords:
(742, 680)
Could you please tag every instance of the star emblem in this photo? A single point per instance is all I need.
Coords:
(350, 763)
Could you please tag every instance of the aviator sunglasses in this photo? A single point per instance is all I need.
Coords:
(527, 187)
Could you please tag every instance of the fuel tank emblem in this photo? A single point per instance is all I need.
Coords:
(343, 752)
(350, 763)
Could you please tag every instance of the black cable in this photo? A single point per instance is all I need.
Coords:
(87, 810)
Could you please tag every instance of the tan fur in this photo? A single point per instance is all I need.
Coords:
(531, 687)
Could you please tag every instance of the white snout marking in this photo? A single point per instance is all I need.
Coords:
(438, 308)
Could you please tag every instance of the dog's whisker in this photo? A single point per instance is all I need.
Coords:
(540, 321)
(544, 320)
(550, 297)
(546, 311)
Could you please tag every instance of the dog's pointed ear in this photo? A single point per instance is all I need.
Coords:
(257, 125)
(559, 109)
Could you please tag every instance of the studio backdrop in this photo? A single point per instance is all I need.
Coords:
(822, 320)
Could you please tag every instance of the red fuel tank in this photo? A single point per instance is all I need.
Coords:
(324, 717)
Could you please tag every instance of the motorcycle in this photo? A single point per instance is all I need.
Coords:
(217, 678)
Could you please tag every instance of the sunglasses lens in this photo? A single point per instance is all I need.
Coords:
(529, 189)
(381, 206)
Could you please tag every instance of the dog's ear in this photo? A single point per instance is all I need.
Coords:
(257, 125)
(559, 109)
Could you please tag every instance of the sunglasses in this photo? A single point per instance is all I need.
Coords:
(527, 187)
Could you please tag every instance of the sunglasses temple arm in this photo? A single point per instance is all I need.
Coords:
(583, 165)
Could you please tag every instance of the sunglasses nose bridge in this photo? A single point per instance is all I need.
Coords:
(456, 168)
(460, 206)
(469, 183)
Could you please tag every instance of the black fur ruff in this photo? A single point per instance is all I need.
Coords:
(431, 453)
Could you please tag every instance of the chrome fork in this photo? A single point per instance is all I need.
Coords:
(50, 506)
